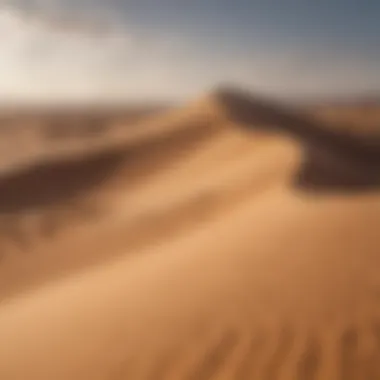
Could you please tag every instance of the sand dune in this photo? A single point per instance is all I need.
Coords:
(227, 239)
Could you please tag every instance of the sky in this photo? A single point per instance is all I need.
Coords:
(107, 50)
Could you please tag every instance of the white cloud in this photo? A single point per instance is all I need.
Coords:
(48, 59)
(84, 49)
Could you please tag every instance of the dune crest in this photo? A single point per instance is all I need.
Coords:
(231, 238)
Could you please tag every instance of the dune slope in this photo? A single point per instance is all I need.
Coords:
(214, 262)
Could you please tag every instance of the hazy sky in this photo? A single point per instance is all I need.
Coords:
(106, 49)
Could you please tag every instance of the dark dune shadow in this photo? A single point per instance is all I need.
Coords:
(53, 190)
(49, 184)
(59, 190)
(334, 160)
(325, 170)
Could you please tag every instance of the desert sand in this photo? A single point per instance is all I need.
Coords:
(228, 238)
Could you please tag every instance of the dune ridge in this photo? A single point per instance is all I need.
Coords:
(232, 238)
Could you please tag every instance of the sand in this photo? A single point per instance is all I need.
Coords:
(208, 250)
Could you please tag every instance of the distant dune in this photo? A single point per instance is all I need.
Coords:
(229, 238)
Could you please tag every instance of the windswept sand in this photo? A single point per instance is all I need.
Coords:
(204, 255)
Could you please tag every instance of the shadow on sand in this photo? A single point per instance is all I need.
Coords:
(334, 161)
(52, 191)
(50, 184)
(59, 191)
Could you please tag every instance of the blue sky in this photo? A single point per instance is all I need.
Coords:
(52, 50)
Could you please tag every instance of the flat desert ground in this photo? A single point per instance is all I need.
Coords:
(227, 238)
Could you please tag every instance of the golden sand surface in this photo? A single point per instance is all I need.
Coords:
(224, 239)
